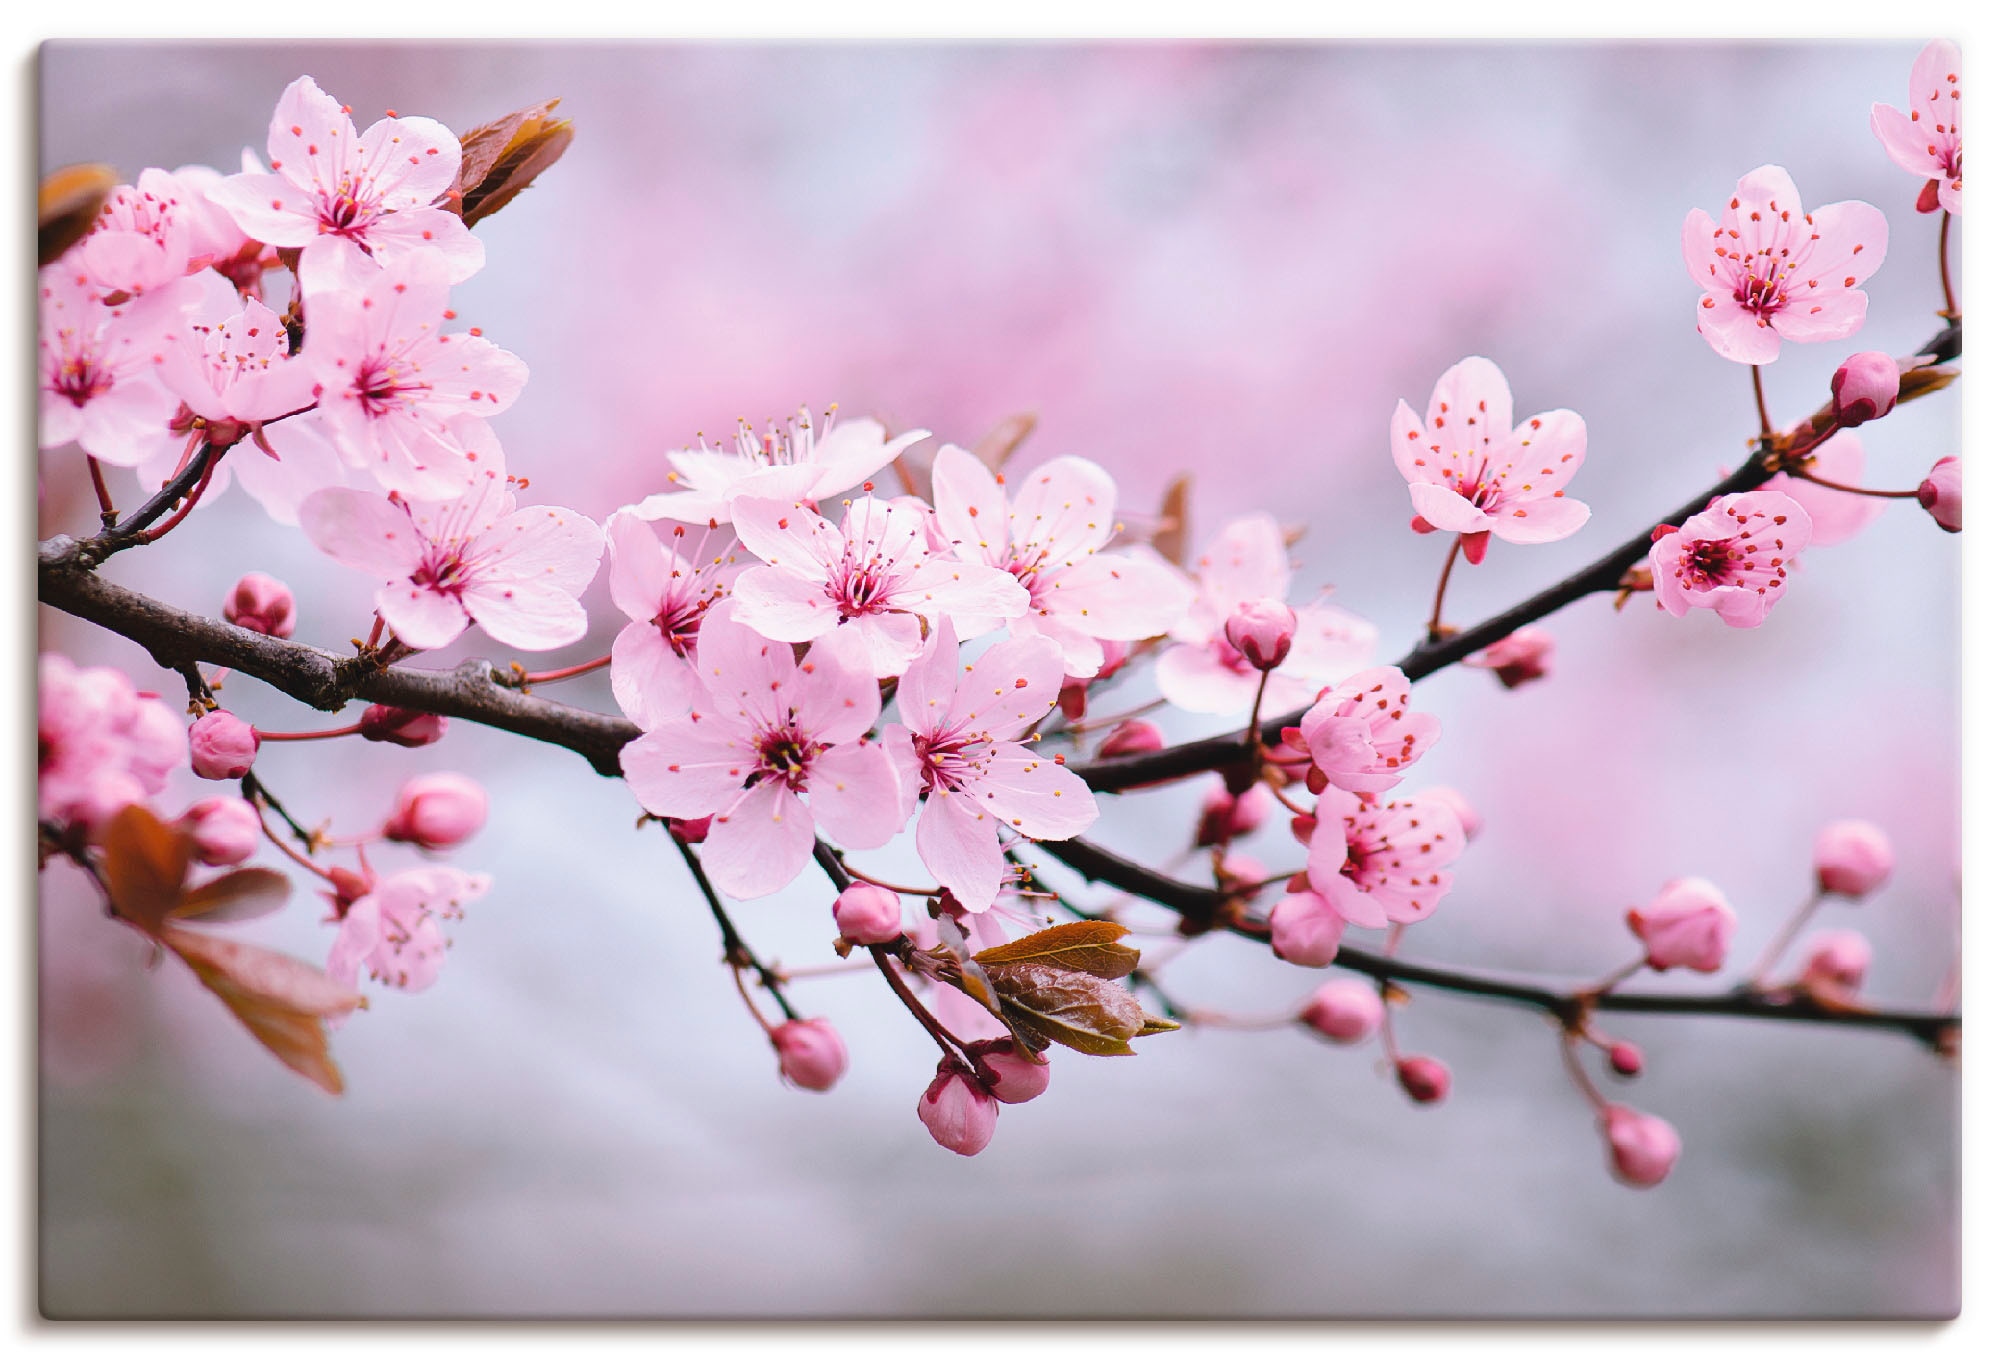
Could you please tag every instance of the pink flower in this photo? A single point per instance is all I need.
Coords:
(1472, 470)
(810, 1053)
(394, 383)
(959, 742)
(224, 830)
(437, 811)
(231, 360)
(1135, 736)
(1262, 629)
(475, 559)
(1852, 858)
(1226, 815)
(766, 734)
(1731, 557)
(1643, 1148)
(400, 726)
(292, 459)
(1007, 1075)
(867, 914)
(101, 745)
(347, 200)
(666, 594)
(214, 239)
(1927, 143)
(1836, 963)
(1363, 734)
(100, 365)
(1347, 1010)
(1425, 1080)
(1774, 271)
(957, 1111)
(789, 463)
(1942, 494)
(1687, 925)
(1382, 864)
(222, 745)
(395, 930)
(1865, 388)
(261, 603)
(1051, 538)
(1520, 656)
(1306, 929)
(141, 237)
(1469, 819)
(1205, 674)
(873, 576)
(1836, 515)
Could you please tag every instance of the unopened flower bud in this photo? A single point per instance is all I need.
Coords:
(400, 726)
(868, 914)
(1424, 1079)
(1836, 963)
(1136, 737)
(1469, 820)
(1074, 698)
(1240, 873)
(1226, 815)
(1643, 1148)
(1941, 494)
(1262, 629)
(1007, 1075)
(1852, 858)
(1687, 925)
(693, 831)
(1520, 656)
(259, 603)
(957, 1112)
(1626, 1059)
(1347, 1010)
(223, 830)
(222, 745)
(1305, 929)
(436, 811)
(810, 1053)
(1864, 388)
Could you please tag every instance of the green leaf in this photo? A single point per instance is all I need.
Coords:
(1080, 945)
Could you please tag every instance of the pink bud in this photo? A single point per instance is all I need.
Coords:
(1687, 925)
(1852, 858)
(1346, 1010)
(1007, 1075)
(810, 1053)
(957, 1112)
(436, 811)
(1864, 388)
(1469, 820)
(1074, 698)
(1240, 873)
(1643, 1148)
(1115, 656)
(1262, 629)
(1941, 494)
(1226, 815)
(260, 604)
(694, 832)
(1626, 1059)
(400, 726)
(1424, 1079)
(1520, 656)
(222, 745)
(1305, 929)
(1135, 737)
(1836, 962)
(868, 914)
(224, 830)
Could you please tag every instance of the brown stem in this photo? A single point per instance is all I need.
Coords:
(1944, 268)
(107, 513)
(1763, 415)
(1432, 628)
(1803, 475)
(1776, 948)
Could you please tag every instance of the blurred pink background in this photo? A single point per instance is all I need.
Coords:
(1225, 260)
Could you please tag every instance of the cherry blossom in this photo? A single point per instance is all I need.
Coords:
(1347, 1010)
(214, 239)
(810, 1053)
(1643, 1148)
(959, 740)
(141, 237)
(1051, 536)
(1205, 674)
(352, 202)
(1473, 471)
(1363, 734)
(1731, 557)
(1852, 858)
(1520, 656)
(477, 559)
(285, 463)
(773, 748)
(788, 462)
(1772, 271)
(261, 603)
(1689, 924)
(100, 367)
(1836, 515)
(874, 576)
(102, 744)
(665, 591)
(231, 360)
(394, 381)
(1927, 143)
(1382, 863)
(1942, 494)
(396, 929)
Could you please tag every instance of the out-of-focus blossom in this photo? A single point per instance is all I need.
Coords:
(101, 745)
(1626, 1059)
(1731, 557)
(959, 741)
(261, 603)
(957, 1111)
(1205, 674)
(1385, 863)
(1926, 141)
(476, 559)
(1472, 471)
(1306, 929)
(1643, 1148)
(400, 726)
(1688, 924)
(1262, 629)
(214, 239)
(1050, 536)
(223, 830)
(792, 462)
(395, 930)
(1363, 734)
(810, 1052)
(437, 811)
(766, 734)
(1425, 1080)
(141, 237)
(1852, 858)
(867, 914)
(665, 590)
(352, 203)
(1836, 515)
(1520, 656)
(1864, 388)
(1226, 815)
(100, 367)
(1469, 819)
(874, 576)
(1772, 271)
(222, 745)
(1942, 494)
(1346, 1009)
(1135, 736)
(1007, 1075)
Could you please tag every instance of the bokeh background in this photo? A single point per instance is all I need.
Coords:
(1225, 260)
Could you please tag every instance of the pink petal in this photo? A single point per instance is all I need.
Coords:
(268, 208)
(783, 606)
(1066, 505)
(971, 507)
(1540, 521)
(1548, 450)
(835, 694)
(857, 796)
(1034, 795)
(530, 615)
(1447, 509)
(689, 766)
(543, 544)
(1698, 251)
(1732, 332)
(958, 843)
(1908, 142)
(743, 672)
(640, 566)
(412, 162)
(362, 529)
(306, 463)
(1247, 560)
(761, 845)
(924, 694)
(789, 534)
(1009, 688)
(1472, 407)
(1191, 678)
(651, 682)
(420, 616)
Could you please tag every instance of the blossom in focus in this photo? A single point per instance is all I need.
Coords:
(1925, 140)
(1643, 1148)
(957, 1111)
(874, 576)
(222, 745)
(1772, 271)
(1852, 858)
(810, 1052)
(789, 462)
(476, 559)
(1384, 863)
(1472, 471)
(1520, 656)
(1050, 535)
(1731, 557)
(772, 749)
(101, 745)
(665, 590)
(141, 237)
(1687, 925)
(1836, 515)
(231, 360)
(1942, 494)
(959, 743)
(99, 367)
(1203, 673)
(396, 930)
(1363, 732)
(351, 202)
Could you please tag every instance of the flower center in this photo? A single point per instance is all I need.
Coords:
(1760, 295)
(379, 385)
(1708, 563)
(79, 379)
(443, 569)
(949, 760)
(783, 753)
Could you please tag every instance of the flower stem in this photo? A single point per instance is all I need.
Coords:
(1763, 412)
(352, 730)
(210, 456)
(1251, 740)
(940, 1035)
(1803, 475)
(735, 952)
(1950, 312)
(1578, 1074)
(106, 512)
(567, 672)
(1435, 628)
(1776, 948)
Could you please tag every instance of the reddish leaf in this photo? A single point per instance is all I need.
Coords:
(145, 864)
(1080, 945)
(70, 199)
(999, 443)
(282, 1001)
(503, 157)
(1075, 1009)
(244, 894)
